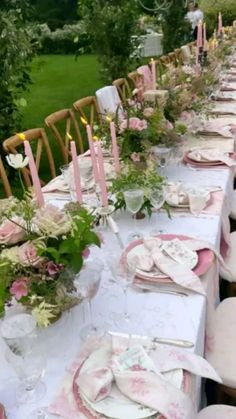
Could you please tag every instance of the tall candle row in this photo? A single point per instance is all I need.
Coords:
(97, 164)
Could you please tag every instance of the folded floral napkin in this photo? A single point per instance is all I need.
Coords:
(137, 368)
(57, 184)
(220, 126)
(180, 195)
(224, 109)
(175, 264)
(211, 155)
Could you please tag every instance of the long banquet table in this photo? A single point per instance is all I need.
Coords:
(151, 313)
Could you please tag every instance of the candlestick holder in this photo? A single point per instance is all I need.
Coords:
(104, 213)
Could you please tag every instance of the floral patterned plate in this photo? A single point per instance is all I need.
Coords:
(116, 405)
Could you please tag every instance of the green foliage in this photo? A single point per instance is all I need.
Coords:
(176, 29)
(55, 12)
(111, 25)
(131, 178)
(70, 39)
(15, 56)
(211, 8)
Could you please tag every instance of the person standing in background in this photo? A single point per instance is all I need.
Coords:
(194, 16)
(198, 16)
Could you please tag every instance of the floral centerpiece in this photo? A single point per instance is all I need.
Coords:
(148, 180)
(41, 252)
(149, 127)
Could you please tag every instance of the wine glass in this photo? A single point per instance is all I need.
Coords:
(26, 358)
(87, 285)
(134, 199)
(157, 199)
(162, 155)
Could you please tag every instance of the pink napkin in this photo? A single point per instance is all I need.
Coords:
(2, 412)
(57, 184)
(137, 375)
(179, 273)
(147, 76)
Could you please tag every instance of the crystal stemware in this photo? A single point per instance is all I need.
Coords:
(134, 199)
(162, 155)
(87, 285)
(25, 356)
(157, 199)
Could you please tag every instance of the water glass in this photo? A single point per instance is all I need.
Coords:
(134, 199)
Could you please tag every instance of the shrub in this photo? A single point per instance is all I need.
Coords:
(211, 8)
(70, 39)
(16, 51)
(112, 24)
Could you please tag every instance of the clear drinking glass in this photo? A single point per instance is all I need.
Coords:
(87, 285)
(162, 155)
(27, 359)
(157, 199)
(134, 199)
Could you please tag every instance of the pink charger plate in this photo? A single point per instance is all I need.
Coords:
(205, 258)
(206, 164)
(89, 414)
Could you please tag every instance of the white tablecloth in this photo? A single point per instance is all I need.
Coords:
(151, 313)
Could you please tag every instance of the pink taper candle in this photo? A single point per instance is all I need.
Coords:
(76, 171)
(115, 151)
(220, 23)
(102, 178)
(154, 76)
(34, 174)
(92, 152)
(199, 35)
(204, 37)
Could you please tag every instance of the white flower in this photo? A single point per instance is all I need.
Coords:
(17, 161)
(11, 254)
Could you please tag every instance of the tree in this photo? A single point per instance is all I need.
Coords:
(111, 25)
(55, 13)
(15, 56)
(176, 29)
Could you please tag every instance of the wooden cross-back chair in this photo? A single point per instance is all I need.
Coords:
(88, 111)
(172, 58)
(65, 117)
(4, 180)
(123, 88)
(136, 79)
(165, 60)
(40, 148)
(179, 56)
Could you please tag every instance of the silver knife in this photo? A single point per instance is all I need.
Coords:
(166, 341)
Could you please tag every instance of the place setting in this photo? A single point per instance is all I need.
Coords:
(118, 376)
(209, 158)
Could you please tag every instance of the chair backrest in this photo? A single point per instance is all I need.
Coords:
(4, 180)
(145, 71)
(88, 111)
(62, 123)
(186, 53)
(123, 88)
(165, 60)
(108, 100)
(172, 58)
(40, 145)
(179, 56)
(136, 78)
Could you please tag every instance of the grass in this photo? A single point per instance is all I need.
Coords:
(57, 82)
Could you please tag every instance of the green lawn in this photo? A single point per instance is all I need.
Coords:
(58, 81)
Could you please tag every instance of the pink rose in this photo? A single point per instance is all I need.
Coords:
(135, 157)
(28, 255)
(134, 123)
(11, 233)
(19, 288)
(86, 253)
(148, 112)
(142, 125)
(53, 268)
